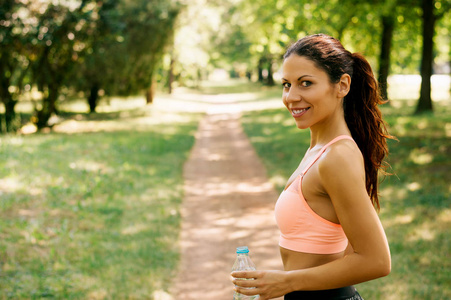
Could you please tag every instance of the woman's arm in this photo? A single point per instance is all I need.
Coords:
(342, 177)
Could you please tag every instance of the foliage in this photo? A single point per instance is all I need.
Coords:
(14, 63)
(56, 47)
(193, 46)
(124, 48)
(95, 69)
(86, 45)
(255, 34)
(120, 47)
(148, 27)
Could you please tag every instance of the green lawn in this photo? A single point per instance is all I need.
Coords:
(416, 201)
(94, 213)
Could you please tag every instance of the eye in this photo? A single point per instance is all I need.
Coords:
(286, 85)
(306, 83)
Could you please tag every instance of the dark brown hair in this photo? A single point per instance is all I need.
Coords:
(362, 115)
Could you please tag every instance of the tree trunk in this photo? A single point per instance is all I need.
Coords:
(4, 93)
(388, 25)
(270, 80)
(249, 75)
(9, 104)
(10, 115)
(198, 79)
(171, 74)
(425, 101)
(48, 108)
(93, 96)
(261, 61)
(150, 93)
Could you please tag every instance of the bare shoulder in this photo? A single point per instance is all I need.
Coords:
(342, 156)
(342, 176)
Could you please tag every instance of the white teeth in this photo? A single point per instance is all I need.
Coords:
(298, 111)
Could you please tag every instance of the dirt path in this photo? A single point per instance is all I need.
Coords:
(228, 203)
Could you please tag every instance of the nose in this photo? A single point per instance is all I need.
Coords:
(292, 95)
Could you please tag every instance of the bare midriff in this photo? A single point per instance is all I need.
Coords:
(293, 260)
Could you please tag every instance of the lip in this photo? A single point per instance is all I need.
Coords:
(298, 112)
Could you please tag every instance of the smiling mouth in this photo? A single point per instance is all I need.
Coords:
(299, 112)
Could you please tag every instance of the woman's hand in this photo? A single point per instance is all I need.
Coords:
(267, 284)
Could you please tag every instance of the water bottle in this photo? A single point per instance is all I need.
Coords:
(243, 263)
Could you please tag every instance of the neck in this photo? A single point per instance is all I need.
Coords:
(324, 132)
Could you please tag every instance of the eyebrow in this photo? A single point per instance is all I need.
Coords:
(299, 77)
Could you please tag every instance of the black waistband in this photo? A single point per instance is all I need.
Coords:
(335, 294)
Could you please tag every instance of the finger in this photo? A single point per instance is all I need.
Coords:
(246, 291)
(244, 274)
(245, 283)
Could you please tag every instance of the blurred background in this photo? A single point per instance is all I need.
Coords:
(101, 100)
(56, 51)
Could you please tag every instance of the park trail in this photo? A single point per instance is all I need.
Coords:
(228, 203)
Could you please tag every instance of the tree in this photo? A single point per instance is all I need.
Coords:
(429, 19)
(14, 64)
(430, 16)
(56, 48)
(387, 18)
(149, 27)
(391, 12)
(124, 45)
(267, 28)
(388, 24)
(96, 69)
(196, 47)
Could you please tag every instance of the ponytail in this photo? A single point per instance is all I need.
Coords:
(363, 117)
(364, 120)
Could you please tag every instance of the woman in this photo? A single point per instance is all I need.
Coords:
(331, 236)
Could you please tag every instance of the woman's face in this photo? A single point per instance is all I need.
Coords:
(308, 94)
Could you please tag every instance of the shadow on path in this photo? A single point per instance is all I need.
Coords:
(228, 203)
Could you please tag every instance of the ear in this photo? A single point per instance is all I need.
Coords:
(344, 85)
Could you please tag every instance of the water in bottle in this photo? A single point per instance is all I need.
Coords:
(243, 263)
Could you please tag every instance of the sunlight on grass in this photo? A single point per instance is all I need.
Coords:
(399, 219)
(90, 210)
(10, 184)
(423, 233)
(414, 186)
(448, 129)
(420, 158)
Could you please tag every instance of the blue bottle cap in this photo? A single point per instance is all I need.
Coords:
(243, 249)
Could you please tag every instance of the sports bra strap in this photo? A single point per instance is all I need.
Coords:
(340, 137)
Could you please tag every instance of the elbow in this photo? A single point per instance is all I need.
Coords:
(385, 270)
(386, 267)
(383, 267)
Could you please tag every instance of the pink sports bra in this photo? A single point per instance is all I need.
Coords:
(301, 229)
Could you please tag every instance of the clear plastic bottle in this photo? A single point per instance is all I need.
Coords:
(243, 263)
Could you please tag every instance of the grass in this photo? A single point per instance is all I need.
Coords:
(91, 210)
(415, 201)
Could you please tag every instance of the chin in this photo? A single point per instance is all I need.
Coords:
(302, 126)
